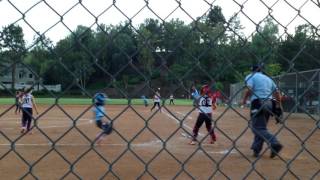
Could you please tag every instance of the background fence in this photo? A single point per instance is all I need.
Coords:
(300, 91)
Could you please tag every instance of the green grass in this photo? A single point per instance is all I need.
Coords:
(87, 101)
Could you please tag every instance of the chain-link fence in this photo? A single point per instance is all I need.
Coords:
(135, 64)
(301, 88)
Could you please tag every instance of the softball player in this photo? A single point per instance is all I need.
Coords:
(18, 102)
(205, 105)
(145, 100)
(99, 113)
(171, 99)
(27, 105)
(156, 100)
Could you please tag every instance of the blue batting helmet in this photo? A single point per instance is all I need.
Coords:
(99, 99)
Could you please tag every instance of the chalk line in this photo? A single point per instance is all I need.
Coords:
(153, 143)
(89, 121)
(183, 124)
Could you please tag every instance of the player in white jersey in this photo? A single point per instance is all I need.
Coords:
(205, 104)
(27, 105)
(171, 99)
(156, 101)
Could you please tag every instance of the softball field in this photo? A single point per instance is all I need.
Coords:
(154, 147)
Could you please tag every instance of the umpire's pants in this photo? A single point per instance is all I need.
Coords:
(260, 113)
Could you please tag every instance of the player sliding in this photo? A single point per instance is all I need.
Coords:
(205, 105)
(99, 113)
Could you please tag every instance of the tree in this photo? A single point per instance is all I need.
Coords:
(300, 49)
(265, 42)
(273, 69)
(13, 45)
(148, 37)
(74, 52)
(40, 58)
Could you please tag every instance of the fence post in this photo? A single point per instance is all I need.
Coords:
(297, 98)
(318, 93)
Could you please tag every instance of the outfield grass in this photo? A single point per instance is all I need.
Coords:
(87, 101)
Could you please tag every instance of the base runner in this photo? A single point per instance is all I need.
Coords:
(99, 113)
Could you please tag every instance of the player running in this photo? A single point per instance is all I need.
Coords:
(156, 101)
(205, 105)
(99, 113)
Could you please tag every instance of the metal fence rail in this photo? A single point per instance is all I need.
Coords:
(301, 87)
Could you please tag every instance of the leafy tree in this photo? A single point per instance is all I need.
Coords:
(273, 69)
(300, 49)
(148, 38)
(13, 46)
(265, 42)
(75, 52)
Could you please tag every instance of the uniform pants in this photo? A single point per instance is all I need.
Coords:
(171, 102)
(156, 104)
(26, 118)
(208, 121)
(260, 113)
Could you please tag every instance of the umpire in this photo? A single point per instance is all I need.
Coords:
(261, 89)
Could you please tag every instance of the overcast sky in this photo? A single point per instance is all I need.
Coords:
(41, 17)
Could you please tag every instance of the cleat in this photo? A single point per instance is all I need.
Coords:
(255, 154)
(193, 142)
(275, 149)
(23, 129)
(212, 141)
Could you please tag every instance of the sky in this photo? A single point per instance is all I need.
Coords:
(44, 19)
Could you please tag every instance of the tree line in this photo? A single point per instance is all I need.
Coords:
(168, 53)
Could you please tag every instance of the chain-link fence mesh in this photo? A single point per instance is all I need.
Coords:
(132, 63)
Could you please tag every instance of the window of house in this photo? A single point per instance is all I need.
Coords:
(30, 75)
(20, 75)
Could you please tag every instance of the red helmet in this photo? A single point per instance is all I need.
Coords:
(205, 89)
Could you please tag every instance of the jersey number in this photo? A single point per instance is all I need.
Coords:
(26, 100)
(206, 102)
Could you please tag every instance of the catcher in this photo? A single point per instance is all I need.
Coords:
(99, 113)
(205, 105)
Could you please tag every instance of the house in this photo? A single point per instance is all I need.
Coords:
(23, 78)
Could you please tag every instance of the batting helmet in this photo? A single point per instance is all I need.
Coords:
(99, 99)
(205, 89)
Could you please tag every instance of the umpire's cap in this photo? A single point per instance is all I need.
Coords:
(257, 67)
(99, 99)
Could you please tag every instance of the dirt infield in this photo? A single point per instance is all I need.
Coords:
(160, 150)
